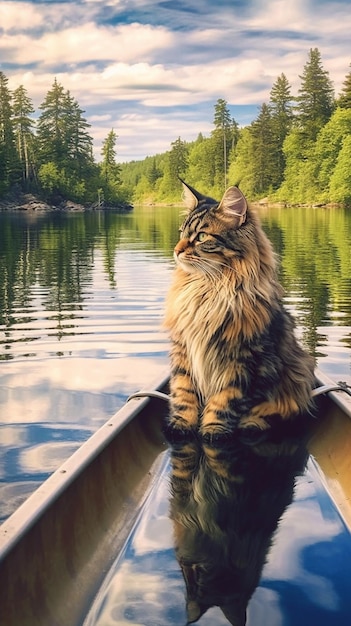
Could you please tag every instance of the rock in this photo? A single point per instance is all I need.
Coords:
(19, 201)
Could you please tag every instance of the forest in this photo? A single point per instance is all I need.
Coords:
(297, 150)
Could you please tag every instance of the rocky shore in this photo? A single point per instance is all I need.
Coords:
(29, 202)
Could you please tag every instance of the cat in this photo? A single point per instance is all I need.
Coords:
(237, 369)
(240, 402)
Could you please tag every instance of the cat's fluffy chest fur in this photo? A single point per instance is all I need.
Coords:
(197, 313)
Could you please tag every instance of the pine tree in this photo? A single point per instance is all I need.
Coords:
(344, 100)
(23, 128)
(281, 109)
(176, 165)
(78, 141)
(109, 169)
(222, 139)
(178, 158)
(52, 136)
(315, 102)
(8, 155)
(63, 137)
(263, 161)
(65, 145)
(153, 172)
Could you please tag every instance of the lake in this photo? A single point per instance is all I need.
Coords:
(81, 307)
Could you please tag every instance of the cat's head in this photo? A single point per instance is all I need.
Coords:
(217, 236)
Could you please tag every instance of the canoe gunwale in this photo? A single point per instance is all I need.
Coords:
(18, 524)
(340, 393)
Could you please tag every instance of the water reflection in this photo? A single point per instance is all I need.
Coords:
(81, 308)
(225, 507)
(304, 581)
(315, 250)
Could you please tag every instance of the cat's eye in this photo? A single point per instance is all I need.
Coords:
(201, 236)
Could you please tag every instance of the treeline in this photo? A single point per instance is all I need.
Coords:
(53, 155)
(297, 150)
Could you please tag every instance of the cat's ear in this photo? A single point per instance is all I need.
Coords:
(191, 197)
(233, 206)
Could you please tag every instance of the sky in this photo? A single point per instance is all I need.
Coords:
(153, 70)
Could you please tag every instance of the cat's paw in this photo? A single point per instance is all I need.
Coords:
(252, 435)
(218, 437)
(178, 431)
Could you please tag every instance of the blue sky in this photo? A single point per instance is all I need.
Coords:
(154, 69)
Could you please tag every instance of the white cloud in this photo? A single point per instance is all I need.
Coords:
(86, 42)
(19, 15)
(124, 68)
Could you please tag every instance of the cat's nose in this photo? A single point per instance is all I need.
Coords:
(180, 247)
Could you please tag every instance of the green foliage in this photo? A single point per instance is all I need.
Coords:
(300, 184)
(240, 173)
(281, 109)
(63, 141)
(340, 181)
(316, 97)
(9, 162)
(254, 165)
(327, 149)
(295, 151)
(344, 100)
(201, 168)
(110, 170)
(224, 138)
(23, 126)
(176, 164)
(51, 178)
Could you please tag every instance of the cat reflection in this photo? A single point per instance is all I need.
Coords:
(225, 507)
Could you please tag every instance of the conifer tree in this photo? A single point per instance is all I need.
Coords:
(8, 155)
(178, 158)
(344, 100)
(281, 108)
(315, 102)
(263, 157)
(109, 169)
(153, 172)
(24, 133)
(51, 135)
(63, 137)
(65, 146)
(79, 142)
(175, 166)
(222, 141)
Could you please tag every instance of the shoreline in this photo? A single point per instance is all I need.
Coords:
(33, 204)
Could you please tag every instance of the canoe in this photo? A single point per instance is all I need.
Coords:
(94, 544)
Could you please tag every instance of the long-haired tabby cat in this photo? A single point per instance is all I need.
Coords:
(237, 369)
(240, 402)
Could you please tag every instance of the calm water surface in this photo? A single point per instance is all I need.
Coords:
(81, 305)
